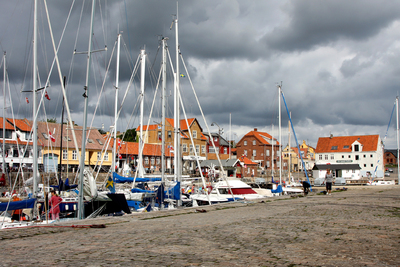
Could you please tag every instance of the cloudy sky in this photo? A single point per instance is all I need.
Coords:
(338, 62)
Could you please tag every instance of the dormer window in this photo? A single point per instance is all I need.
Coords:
(45, 136)
(334, 148)
(346, 147)
(98, 140)
(356, 148)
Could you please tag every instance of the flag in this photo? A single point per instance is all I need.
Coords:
(51, 136)
(119, 156)
(182, 75)
(119, 143)
(27, 100)
(47, 96)
(110, 184)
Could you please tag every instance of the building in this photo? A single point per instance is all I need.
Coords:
(58, 148)
(128, 158)
(221, 146)
(188, 150)
(261, 148)
(365, 151)
(307, 154)
(390, 157)
(18, 145)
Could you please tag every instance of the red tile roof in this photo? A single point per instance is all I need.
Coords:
(8, 125)
(262, 137)
(23, 125)
(247, 161)
(132, 148)
(343, 143)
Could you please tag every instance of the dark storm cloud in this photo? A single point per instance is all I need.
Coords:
(313, 23)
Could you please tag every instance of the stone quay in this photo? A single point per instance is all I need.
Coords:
(357, 227)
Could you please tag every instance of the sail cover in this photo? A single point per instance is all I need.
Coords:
(121, 179)
(16, 205)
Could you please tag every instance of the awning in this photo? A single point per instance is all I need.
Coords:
(336, 167)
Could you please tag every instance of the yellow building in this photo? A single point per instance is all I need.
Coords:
(51, 140)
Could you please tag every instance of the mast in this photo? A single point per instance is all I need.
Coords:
(61, 131)
(114, 152)
(177, 148)
(4, 111)
(164, 85)
(34, 102)
(81, 213)
(272, 154)
(397, 122)
(280, 136)
(289, 151)
(141, 141)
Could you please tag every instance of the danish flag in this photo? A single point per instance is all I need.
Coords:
(51, 136)
(47, 96)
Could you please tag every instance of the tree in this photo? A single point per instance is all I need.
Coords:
(130, 135)
(52, 120)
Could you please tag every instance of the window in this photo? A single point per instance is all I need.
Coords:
(334, 148)
(159, 135)
(169, 134)
(346, 147)
(365, 165)
(372, 165)
(357, 157)
(158, 161)
(203, 149)
(65, 154)
(349, 156)
(245, 143)
(211, 149)
(371, 156)
(152, 160)
(184, 148)
(267, 152)
(194, 134)
(326, 157)
(45, 136)
(106, 156)
(332, 156)
(98, 155)
(98, 141)
(197, 149)
(225, 150)
(254, 153)
(146, 160)
(254, 142)
(320, 157)
(190, 148)
(215, 138)
(268, 164)
(356, 148)
(67, 139)
(90, 141)
(365, 156)
(245, 153)
(342, 156)
(74, 154)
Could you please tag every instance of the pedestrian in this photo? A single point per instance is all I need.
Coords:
(54, 202)
(16, 214)
(306, 187)
(328, 181)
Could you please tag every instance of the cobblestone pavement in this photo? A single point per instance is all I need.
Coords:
(357, 227)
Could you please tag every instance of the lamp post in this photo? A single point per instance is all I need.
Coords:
(220, 130)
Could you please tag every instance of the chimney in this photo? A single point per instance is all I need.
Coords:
(331, 136)
(255, 129)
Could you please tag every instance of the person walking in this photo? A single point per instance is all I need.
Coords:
(328, 181)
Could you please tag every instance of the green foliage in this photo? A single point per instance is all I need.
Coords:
(52, 120)
(130, 135)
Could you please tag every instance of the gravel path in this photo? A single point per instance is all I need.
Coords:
(357, 227)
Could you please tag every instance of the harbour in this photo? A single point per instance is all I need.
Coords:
(357, 227)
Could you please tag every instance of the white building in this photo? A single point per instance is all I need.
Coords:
(366, 151)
